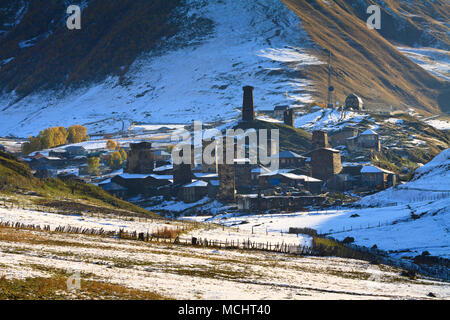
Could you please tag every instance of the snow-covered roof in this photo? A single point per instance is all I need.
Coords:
(260, 169)
(164, 168)
(374, 169)
(294, 176)
(134, 175)
(331, 149)
(162, 177)
(198, 183)
(145, 176)
(273, 173)
(205, 175)
(287, 154)
(369, 132)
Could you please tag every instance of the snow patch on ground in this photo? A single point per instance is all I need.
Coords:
(436, 61)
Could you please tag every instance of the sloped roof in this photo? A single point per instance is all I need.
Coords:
(260, 169)
(273, 173)
(288, 154)
(198, 183)
(369, 132)
(300, 177)
(374, 169)
(164, 168)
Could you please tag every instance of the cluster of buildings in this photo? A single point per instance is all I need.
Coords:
(56, 161)
(299, 181)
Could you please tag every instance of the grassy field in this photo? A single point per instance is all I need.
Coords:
(17, 180)
(37, 265)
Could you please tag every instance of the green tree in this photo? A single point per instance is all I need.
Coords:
(94, 166)
(115, 160)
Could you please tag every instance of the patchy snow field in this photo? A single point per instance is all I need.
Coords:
(108, 223)
(328, 119)
(434, 60)
(197, 273)
(409, 219)
(441, 124)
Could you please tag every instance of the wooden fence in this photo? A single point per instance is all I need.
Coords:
(320, 247)
(244, 244)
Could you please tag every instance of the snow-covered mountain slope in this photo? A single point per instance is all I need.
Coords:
(259, 43)
(436, 61)
(431, 182)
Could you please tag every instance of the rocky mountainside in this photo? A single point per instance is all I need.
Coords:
(178, 60)
(366, 62)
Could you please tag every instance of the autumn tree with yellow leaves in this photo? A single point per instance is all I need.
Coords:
(55, 136)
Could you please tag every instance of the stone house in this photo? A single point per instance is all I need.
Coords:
(369, 139)
(339, 138)
(74, 151)
(375, 177)
(256, 172)
(194, 191)
(278, 111)
(147, 184)
(289, 117)
(290, 180)
(290, 160)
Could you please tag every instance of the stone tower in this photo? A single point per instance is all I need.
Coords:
(140, 158)
(211, 145)
(325, 163)
(248, 112)
(227, 178)
(182, 173)
(320, 139)
(289, 117)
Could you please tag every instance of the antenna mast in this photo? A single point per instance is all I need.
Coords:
(330, 103)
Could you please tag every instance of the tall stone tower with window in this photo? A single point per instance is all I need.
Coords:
(248, 109)
(227, 174)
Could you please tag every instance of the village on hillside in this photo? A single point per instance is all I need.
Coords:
(339, 164)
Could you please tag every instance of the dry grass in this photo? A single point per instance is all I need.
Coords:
(55, 288)
(166, 233)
